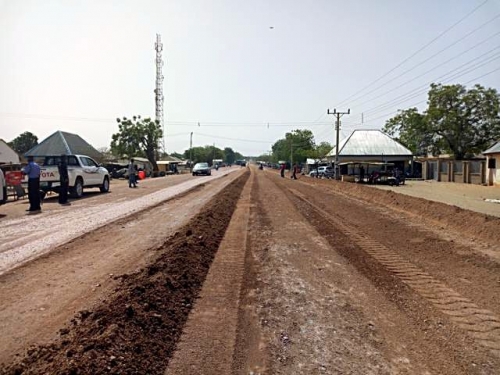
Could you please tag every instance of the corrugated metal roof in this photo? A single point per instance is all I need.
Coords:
(7, 154)
(495, 149)
(63, 143)
(369, 143)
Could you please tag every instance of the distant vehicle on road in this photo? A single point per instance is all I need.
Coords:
(241, 162)
(83, 172)
(201, 169)
(322, 172)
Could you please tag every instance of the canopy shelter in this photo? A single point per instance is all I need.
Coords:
(370, 172)
(65, 143)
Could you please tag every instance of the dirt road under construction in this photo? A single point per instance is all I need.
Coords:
(249, 273)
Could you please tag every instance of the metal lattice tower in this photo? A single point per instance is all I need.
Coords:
(159, 86)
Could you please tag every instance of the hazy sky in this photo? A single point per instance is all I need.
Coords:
(77, 65)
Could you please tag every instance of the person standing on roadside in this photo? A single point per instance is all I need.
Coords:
(131, 174)
(3, 188)
(63, 180)
(282, 170)
(32, 170)
(294, 172)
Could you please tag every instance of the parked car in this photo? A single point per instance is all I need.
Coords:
(201, 169)
(83, 172)
(322, 172)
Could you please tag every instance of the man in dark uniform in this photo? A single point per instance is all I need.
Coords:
(32, 170)
(294, 172)
(63, 180)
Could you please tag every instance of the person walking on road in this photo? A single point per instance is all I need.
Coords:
(3, 188)
(294, 172)
(32, 170)
(282, 170)
(131, 174)
(63, 180)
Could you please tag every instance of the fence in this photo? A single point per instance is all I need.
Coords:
(459, 171)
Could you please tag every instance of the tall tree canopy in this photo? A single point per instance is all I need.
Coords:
(208, 153)
(137, 137)
(458, 121)
(24, 142)
(298, 144)
(229, 155)
(301, 143)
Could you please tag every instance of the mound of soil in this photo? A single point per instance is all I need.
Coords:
(471, 224)
(136, 330)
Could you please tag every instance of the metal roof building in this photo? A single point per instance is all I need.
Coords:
(370, 145)
(495, 149)
(7, 154)
(493, 164)
(63, 143)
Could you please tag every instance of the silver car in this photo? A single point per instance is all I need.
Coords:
(322, 172)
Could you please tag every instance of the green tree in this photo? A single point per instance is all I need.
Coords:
(24, 142)
(410, 128)
(137, 137)
(320, 151)
(458, 121)
(229, 155)
(299, 142)
(268, 158)
(177, 155)
(207, 153)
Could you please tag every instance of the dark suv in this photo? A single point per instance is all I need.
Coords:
(201, 169)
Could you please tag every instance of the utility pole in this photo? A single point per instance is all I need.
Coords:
(291, 155)
(338, 115)
(191, 152)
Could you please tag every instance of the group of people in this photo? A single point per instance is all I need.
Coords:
(294, 170)
(35, 195)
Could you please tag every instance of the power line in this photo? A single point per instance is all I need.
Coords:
(232, 139)
(434, 68)
(423, 101)
(170, 123)
(415, 53)
(429, 58)
(424, 88)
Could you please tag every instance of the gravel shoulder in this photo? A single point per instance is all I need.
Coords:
(25, 238)
(466, 196)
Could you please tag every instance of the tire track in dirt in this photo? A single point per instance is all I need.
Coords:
(135, 331)
(208, 341)
(480, 324)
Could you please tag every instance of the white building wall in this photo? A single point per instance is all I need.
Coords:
(493, 174)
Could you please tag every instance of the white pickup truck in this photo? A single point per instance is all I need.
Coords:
(83, 172)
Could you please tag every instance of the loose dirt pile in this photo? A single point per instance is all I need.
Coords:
(135, 332)
(469, 223)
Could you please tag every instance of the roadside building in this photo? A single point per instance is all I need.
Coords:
(64, 143)
(445, 168)
(370, 149)
(170, 165)
(7, 154)
(143, 164)
(493, 165)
